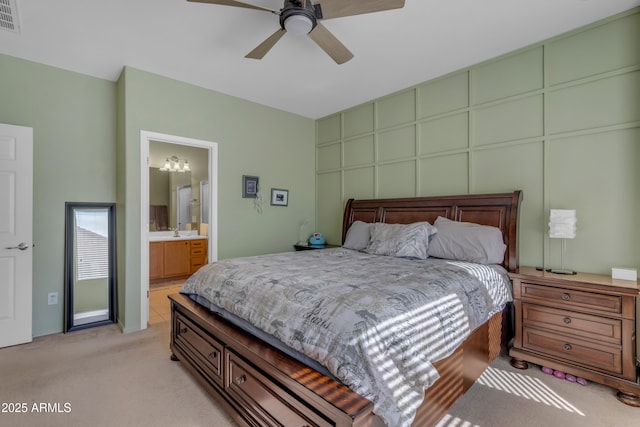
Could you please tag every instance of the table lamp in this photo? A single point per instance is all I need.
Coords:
(562, 225)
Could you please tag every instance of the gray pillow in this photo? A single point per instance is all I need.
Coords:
(400, 240)
(466, 241)
(357, 236)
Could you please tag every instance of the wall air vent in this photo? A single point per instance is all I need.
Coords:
(9, 15)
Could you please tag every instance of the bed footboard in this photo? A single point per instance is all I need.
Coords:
(261, 386)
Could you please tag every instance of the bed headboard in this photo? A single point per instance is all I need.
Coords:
(498, 210)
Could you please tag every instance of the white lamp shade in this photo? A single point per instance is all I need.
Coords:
(298, 24)
(562, 223)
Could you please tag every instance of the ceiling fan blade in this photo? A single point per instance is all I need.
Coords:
(330, 44)
(237, 3)
(261, 50)
(339, 8)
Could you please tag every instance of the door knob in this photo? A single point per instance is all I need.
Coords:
(22, 246)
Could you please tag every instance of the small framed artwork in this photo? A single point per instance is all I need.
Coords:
(250, 186)
(279, 197)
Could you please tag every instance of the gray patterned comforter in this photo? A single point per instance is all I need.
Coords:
(375, 322)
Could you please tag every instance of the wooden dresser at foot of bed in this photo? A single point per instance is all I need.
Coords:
(261, 386)
(583, 324)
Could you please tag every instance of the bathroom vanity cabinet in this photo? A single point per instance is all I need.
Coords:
(171, 259)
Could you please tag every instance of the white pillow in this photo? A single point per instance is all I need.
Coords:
(400, 240)
(357, 236)
(466, 241)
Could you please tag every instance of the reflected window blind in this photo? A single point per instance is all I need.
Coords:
(92, 250)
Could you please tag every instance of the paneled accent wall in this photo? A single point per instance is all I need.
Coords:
(559, 120)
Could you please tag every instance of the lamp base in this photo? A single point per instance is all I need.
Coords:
(560, 271)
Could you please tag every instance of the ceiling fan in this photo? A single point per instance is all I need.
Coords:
(304, 16)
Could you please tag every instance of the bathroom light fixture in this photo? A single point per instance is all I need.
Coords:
(174, 164)
(562, 225)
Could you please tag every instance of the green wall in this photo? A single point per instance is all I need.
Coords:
(91, 295)
(252, 140)
(73, 118)
(559, 120)
(87, 149)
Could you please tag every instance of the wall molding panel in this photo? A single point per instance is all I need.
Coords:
(559, 120)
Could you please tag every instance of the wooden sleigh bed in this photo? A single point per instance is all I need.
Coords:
(259, 385)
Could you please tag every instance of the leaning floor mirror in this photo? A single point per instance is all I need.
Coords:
(90, 271)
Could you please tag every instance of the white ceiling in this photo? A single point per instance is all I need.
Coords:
(205, 44)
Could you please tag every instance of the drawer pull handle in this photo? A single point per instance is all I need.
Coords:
(183, 330)
(567, 347)
(239, 380)
(566, 297)
(567, 320)
(213, 355)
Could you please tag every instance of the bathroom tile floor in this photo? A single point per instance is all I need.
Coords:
(159, 307)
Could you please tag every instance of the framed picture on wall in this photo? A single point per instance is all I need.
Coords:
(250, 186)
(279, 197)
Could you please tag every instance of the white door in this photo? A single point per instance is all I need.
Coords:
(16, 252)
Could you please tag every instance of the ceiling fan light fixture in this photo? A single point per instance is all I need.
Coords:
(298, 24)
(304, 16)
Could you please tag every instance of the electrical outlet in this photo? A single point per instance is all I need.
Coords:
(53, 298)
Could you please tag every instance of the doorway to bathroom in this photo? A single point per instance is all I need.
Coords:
(187, 162)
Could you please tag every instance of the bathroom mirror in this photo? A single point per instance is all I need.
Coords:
(164, 199)
(168, 193)
(90, 270)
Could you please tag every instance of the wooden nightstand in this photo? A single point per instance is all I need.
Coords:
(310, 247)
(583, 324)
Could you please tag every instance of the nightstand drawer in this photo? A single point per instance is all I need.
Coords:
(586, 353)
(570, 298)
(586, 326)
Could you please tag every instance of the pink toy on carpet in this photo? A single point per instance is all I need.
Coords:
(561, 375)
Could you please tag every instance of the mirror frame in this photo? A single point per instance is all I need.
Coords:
(69, 255)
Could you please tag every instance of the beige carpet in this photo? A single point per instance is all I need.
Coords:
(101, 377)
(107, 378)
(506, 397)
